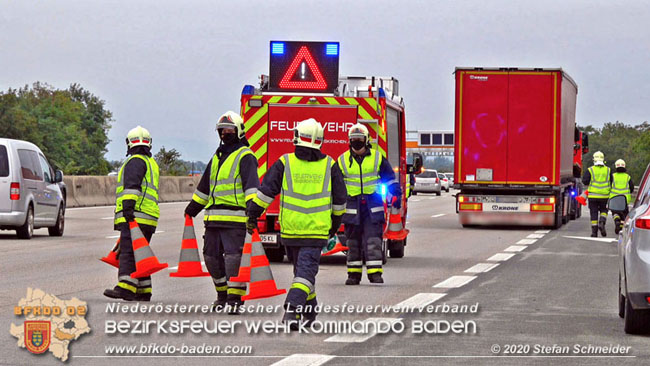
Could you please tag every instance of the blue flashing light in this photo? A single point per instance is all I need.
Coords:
(573, 193)
(277, 48)
(382, 93)
(382, 189)
(248, 90)
(332, 49)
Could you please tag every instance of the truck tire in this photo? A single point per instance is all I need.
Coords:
(275, 254)
(396, 248)
(636, 321)
(439, 193)
(57, 229)
(558, 214)
(26, 231)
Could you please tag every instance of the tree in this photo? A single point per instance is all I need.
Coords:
(169, 162)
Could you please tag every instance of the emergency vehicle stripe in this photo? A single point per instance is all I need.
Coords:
(331, 100)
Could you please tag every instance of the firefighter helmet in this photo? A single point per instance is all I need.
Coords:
(138, 136)
(620, 163)
(308, 133)
(359, 130)
(232, 120)
(599, 158)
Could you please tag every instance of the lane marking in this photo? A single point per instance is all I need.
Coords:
(414, 200)
(526, 241)
(112, 237)
(604, 240)
(455, 282)
(304, 359)
(419, 300)
(500, 257)
(438, 215)
(535, 236)
(108, 218)
(514, 248)
(481, 268)
(542, 231)
(432, 198)
(358, 338)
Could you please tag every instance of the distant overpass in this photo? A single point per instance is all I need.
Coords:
(430, 142)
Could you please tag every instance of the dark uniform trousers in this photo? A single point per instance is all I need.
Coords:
(306, 260)
(222, 248)
(127, 259)
(597, 208)
(364, 241)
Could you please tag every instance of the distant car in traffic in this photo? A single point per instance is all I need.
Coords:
(427, 182)
(634, 263)
(450, 176)
(444, 181)
(32, 194)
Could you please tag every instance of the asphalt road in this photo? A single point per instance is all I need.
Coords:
(534, 288)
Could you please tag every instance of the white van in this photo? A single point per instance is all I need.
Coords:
(32, 195)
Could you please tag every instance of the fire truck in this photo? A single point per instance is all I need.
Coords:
(303, 82)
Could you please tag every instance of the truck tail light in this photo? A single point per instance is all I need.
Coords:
(647, 299)
(14, 191)
(461, 199)
(276, 225)
(261, 226)
(470, 207)
(541, 207)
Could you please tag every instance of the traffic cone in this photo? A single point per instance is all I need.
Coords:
(262, 284)
(189, 264)
(244, 274)
(146, 262)
(395, 230)
(338, 247)
(112, 256)
(582, 199)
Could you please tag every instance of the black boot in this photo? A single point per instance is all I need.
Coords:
(218, 304)
(233, 304)
(309, 315)
(143, 296)
(618, 225)
(354, 278)
(375, 277)
(291, 317)
(601, 226)
(120, 293)
(594, 231)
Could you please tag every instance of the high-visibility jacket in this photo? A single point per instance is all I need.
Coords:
(600, 184)
(361, 178)
(621, 185)
(226, 189)
(306, 201)
(146, 199)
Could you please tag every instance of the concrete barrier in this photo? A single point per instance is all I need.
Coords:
(83, 191)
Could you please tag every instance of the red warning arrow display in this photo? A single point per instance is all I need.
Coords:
(303, 57)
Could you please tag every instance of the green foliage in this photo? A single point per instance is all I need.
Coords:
(70, 126)
(620, 141)
(169, 162)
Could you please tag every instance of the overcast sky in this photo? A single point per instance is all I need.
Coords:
(175, 66)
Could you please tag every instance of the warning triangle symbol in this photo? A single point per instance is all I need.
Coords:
(300, 79)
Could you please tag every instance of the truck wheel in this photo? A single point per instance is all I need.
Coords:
(558, 215)
(26, 231)
(275, 254)
(57, 230)
(438, 193)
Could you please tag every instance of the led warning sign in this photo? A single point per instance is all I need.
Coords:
(304, 66)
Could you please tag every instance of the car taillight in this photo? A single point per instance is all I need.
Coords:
(14, 191)
(437, 180)
(643, 222)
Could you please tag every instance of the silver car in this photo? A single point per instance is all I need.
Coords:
(444, 181)
(32, 195)
(427, 181)
(634, 263)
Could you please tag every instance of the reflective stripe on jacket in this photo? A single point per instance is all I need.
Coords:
(621, 185)
(600, 185)
(226, 189)
(146, 199)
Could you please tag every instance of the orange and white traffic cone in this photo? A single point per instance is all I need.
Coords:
(338, 247)
(244, 274)
(146, 262)
(189, 263)
(112, 257)
(582, 199)
(262, 284)
(395, 230)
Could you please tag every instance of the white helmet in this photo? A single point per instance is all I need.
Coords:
(620, 163)
(308, 133)
(599, 158)
(359, 130)
(138, 136)
(232, 120)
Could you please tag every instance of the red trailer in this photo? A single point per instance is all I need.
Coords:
(514, 148)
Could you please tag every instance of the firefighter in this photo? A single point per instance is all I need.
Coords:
(599, 179)
(621, 185)
(137, 199)
(311, 206)
(365, 170)
(227, 186)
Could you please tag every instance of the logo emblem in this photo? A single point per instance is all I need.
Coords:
(37, 335)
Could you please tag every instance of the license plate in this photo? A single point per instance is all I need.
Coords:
(269, 238)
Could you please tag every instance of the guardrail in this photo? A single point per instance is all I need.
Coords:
(82, 191)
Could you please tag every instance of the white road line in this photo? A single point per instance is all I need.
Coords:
(358, 338)
(159, 232)
(407, 222)
(413, 200)
(304, 359)
(514, 248)
(535, 236)
(438, 215)
(108, 218)
(500, 257)
(481, 267)
(432, 198)
(112, 237)
(604, 240)
(419, 300)
(455, 282)
(542, 231)
(526, 241)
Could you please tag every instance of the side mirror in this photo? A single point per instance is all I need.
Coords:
(58, 176)
(585, 143)
(417, 162)
(617, 203)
